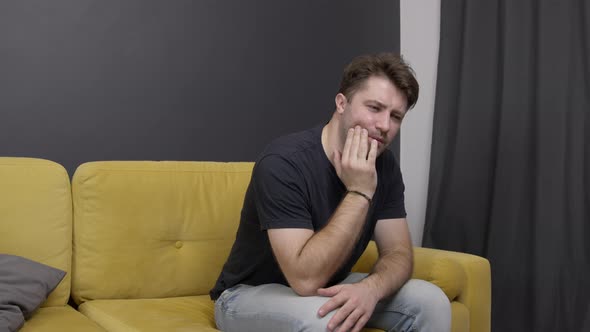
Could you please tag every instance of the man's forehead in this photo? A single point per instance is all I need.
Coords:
(380, 93)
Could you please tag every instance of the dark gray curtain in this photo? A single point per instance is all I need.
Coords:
(510, 164)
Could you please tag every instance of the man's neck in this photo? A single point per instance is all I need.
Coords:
(330, 139)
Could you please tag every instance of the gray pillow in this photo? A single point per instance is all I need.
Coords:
(24, 286)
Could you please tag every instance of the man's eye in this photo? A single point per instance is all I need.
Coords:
(374, 108)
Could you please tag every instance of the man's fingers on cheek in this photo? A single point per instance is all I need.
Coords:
(347, 143)
(350, 132)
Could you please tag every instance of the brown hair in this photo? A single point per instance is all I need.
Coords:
(389, 65)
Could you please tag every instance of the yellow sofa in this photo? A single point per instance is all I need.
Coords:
(36, 223)
(149, 240)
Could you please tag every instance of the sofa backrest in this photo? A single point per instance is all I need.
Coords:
(36, 216)
(146, 229)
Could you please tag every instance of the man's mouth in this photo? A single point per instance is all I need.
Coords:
(377, 139)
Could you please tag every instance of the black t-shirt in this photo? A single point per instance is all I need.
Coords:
(294, 185)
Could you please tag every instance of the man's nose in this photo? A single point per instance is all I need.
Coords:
(383, 122)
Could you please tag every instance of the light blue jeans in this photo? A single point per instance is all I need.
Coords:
(417, 306)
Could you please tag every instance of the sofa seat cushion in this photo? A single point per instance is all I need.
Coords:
(190, 313)
(59, 319)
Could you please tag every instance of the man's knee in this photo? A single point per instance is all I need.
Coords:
(430, 304)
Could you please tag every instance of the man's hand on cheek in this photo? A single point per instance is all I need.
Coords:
(354, 303)
(355, 166)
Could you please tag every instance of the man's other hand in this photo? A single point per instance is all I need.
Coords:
(355, 304)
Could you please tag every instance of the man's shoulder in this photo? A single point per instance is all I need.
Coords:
(387, 160)
(290, 145)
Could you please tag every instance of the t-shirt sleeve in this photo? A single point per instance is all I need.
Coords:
(280, 194)
(393, 206)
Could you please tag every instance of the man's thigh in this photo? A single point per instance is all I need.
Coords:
(270, 307)
(395, 313)
(417, 306)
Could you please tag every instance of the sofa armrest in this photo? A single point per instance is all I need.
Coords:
(464, 278)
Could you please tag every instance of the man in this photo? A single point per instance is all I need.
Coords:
(315, 200)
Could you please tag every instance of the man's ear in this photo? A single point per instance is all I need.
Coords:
(340, 101)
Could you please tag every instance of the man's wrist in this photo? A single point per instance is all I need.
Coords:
(373, 287)
(359, 193)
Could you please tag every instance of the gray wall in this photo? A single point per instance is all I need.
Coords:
(420, 30)
(84, 80)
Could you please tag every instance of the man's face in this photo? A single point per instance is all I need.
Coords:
(378, 106)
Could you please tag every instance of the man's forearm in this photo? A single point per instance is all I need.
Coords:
(327, 250)
(390, 273)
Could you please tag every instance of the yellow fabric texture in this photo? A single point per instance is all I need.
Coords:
(153, 229)
(191, 313)
(36, 216)
(460, 318)
(59, 319)
(464, 278)
(476, 291)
